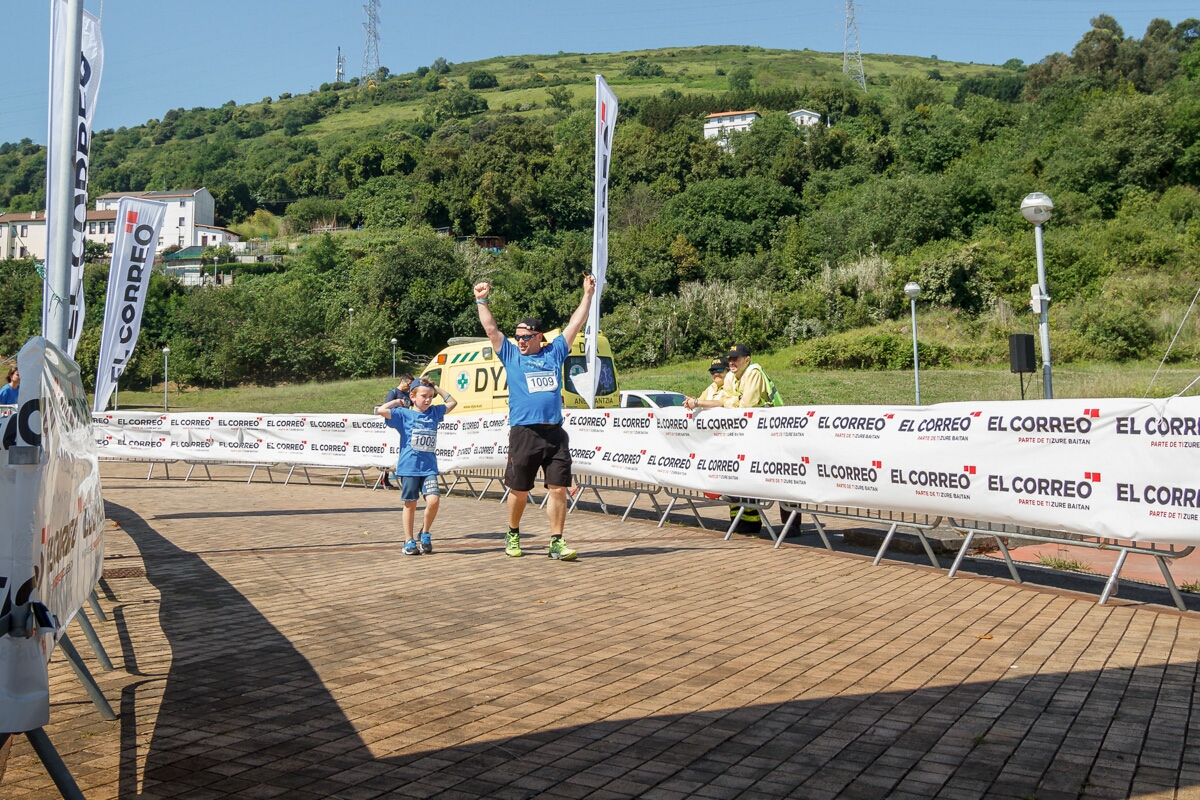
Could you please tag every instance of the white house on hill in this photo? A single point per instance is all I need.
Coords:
(718, 126)
(189, 223)
(190, 216)
(803, 117)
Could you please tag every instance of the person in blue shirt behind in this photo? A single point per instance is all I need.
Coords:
(417, 466)
(402, 393)
(536, 439)
(8, 395)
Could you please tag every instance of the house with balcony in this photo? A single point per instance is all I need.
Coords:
(718, 126)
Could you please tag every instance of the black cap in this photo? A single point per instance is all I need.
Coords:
(532, 323)
(738, 351)
(719, 365)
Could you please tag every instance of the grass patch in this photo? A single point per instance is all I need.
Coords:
(1064, 562)
(1193, 587)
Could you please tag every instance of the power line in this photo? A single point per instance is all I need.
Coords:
(852, 62)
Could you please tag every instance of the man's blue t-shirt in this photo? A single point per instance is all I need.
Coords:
(418, 439)
(535, 383)
(8, 395)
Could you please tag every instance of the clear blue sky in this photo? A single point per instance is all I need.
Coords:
(164, 54)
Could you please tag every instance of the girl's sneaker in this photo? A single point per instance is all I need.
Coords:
(426, 542)
(410, 548)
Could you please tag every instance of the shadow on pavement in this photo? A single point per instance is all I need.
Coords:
(244, 713)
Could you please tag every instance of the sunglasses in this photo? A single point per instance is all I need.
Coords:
(717, 371)
(525, 337)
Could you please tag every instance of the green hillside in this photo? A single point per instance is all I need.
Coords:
(791, 238)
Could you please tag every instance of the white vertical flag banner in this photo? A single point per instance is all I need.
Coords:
(138, 224)
(91, 64)
(587, 383)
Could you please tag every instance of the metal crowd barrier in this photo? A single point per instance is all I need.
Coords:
(918, 523)
(596, 483)
(894, 519)
(999, 531)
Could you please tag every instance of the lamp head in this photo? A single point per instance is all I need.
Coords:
(1037, 208)
(912, 290)
(393, 341)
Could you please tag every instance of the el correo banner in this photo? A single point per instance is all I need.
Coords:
(51, 526)
(1115, 468)
(138, 224)
(91, 65)
(586, 383)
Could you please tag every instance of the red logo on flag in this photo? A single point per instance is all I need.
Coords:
(131, 218)
(741, 457)
(748, 414)
(691, 455)
(804, 459)
(976, 413)
(643, 452)
(890, 416)
(1094, 477)
(603, 110)
(812, 413)
(877, 464)
(1091, 412)
(969, 470)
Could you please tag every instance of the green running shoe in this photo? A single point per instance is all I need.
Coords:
(512, 544)
(559, 550)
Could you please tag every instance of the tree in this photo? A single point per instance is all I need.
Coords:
(481, 79)
(730, 216)
(739, 79)
(560, 98)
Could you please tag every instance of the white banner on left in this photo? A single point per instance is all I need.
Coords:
(51, 526)
(91, 65)
(138, 224)
(587, 383)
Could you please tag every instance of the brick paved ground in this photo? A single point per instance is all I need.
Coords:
(275, 643)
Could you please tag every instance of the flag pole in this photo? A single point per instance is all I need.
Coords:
(58, 252)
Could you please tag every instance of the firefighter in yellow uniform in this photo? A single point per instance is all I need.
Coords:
(747, 386)
(714, 395)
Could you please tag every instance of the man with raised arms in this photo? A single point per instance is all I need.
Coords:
(536, 438)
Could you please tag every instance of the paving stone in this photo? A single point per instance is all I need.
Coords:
(273, 642)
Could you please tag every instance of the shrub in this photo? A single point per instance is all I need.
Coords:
(641, 68)
(861, 350)
(481, 79)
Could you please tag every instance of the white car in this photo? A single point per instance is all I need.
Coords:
(651, 398)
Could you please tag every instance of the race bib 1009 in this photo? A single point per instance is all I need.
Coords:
(541, 381)
(424, 441)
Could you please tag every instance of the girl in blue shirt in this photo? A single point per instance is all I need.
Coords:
(8, 394)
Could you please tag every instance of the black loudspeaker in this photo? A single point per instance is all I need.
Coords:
(1021, 357)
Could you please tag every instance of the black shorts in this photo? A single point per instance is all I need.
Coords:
(531, 447)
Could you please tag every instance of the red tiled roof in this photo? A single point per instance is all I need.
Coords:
(23, 216)
(731, 113)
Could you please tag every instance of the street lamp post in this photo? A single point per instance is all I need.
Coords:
(912, 290)
(166, 359)
(352, 320)
(1038, 208)
(393, 358)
